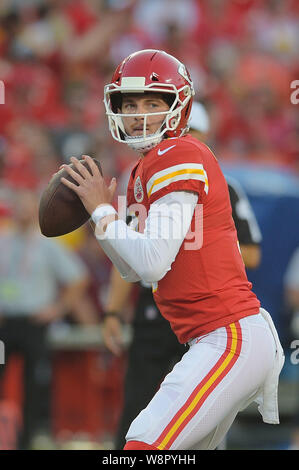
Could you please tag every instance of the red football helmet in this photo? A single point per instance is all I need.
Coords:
(150, 71)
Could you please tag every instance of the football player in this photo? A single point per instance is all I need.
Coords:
(187, 248)
(149, 327)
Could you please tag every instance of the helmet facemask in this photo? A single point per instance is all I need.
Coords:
(143, 143)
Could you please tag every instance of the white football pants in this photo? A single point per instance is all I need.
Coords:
(220, 374)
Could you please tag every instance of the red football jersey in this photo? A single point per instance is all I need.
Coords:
(206, 287)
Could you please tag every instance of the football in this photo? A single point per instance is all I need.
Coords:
(60, 209)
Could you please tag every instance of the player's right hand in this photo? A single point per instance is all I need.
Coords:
(113, 334)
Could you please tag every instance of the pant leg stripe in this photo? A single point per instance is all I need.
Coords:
(203, 389)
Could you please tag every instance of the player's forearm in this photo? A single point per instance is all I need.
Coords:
(251, 255)
(150, 254)
(71, 294)
(125, 270)
(101, 217)
(292, 297)
(118, 293)
(145, 256)
(84, 311)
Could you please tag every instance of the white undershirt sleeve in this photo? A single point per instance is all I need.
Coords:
(124, 269)
(148, 256)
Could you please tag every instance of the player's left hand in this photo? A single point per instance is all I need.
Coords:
(91, 187)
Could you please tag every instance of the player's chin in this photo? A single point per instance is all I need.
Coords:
(137, 133)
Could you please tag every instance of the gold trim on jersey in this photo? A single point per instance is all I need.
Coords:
(181, 172)
(154, 286)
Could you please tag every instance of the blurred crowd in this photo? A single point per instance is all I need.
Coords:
(57, 55)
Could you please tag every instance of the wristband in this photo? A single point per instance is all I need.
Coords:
(102, 211)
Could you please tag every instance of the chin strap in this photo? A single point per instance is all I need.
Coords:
(138, 144)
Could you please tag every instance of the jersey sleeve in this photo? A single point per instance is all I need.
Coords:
(175, 168)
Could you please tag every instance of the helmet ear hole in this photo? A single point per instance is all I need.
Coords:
(173, 120)
(173, 123)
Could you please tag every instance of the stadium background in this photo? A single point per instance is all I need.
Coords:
(55, 57)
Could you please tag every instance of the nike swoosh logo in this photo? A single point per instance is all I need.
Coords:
(161, 152)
